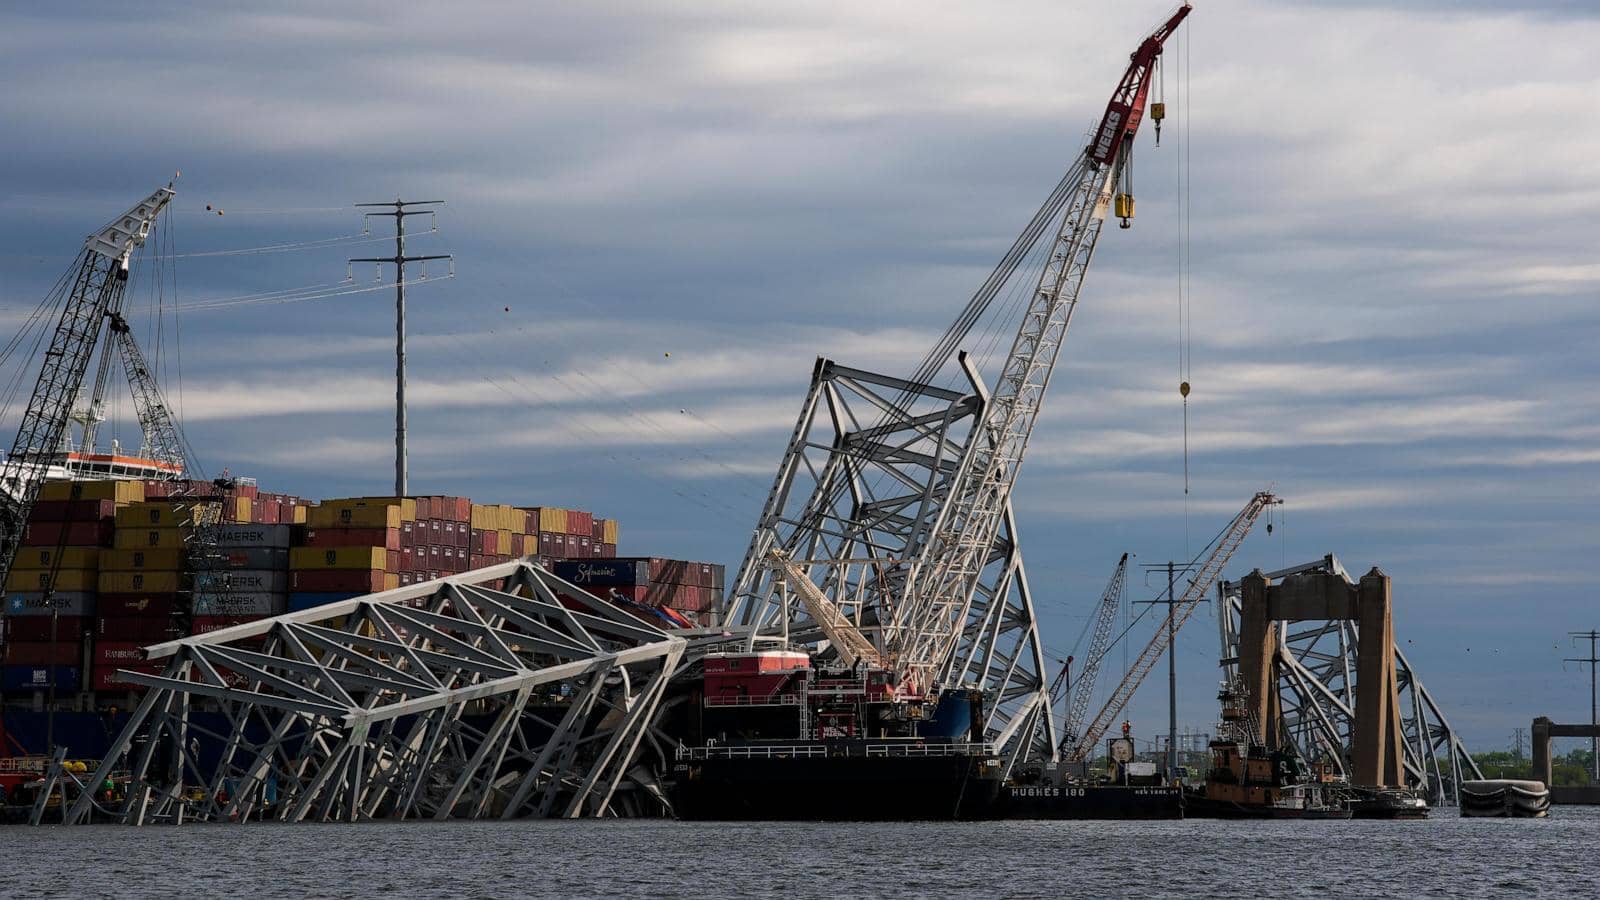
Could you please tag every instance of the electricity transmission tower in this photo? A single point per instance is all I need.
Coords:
(399, 212)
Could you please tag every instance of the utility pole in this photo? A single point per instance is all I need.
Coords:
(1170, 599)
(399, 211)
(1593, 637)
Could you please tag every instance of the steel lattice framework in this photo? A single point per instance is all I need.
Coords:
(477, 695)
(1316, 677)
(864, 478)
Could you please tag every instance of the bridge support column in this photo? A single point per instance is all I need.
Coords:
(1378, 758)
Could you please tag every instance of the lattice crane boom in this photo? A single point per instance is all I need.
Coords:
(95, 287)
(1206, 575)
(847, 640)
(1099, 643)
(163, 442)
(931, 616)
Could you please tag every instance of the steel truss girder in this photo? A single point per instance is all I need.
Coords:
(867, 471)
(502, 692)
(1315, 670)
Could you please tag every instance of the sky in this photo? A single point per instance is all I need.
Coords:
(662, 213)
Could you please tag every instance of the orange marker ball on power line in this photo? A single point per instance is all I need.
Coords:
(1183, 389)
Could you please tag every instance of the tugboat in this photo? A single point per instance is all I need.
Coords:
(1248, 781)
(787, 738)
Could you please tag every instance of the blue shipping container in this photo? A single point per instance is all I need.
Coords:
(308, 599)
(602, 572)
(37, 678)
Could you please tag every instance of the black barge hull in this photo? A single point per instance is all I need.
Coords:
(844, 788)
(1088, 802)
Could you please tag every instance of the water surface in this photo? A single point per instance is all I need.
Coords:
(1440, 857)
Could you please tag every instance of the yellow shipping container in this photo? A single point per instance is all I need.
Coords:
(136, 582)
(609, 532)
(120, 491)
(163, 514)
(241, 510)
(39, 580)
(299, 515)
(480, 514)
(407, 506)
(553, 519)
(391, 581)
(331, 516)
(148, 560)
(45, 558)
(148, 538)
(338, 558)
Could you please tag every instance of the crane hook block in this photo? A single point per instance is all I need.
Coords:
(1124, 209)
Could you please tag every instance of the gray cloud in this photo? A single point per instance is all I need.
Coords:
(1393, 207)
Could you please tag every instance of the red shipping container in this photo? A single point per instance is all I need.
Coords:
(208, 624)
(70, 534)
(391, 561)
(37, 628)
(148, 605)
(142, 630)
(451, 509)
(365, 581)
(424, 507)
(118, 653)
(387, 538)
(407, 530)
(579, 522)
(608, 551)
(597, 530)
(72, 510)
(45, 653)
(463, 538)
(108, 679)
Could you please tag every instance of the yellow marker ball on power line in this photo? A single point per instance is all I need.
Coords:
(1183, 389)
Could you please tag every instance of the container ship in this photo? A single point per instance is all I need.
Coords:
(784, 736)
(106, 568)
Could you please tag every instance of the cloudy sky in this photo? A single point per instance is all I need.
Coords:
(1394, 212)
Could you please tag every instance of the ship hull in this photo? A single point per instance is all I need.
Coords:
(845, 788)
(1198, 806)
(1088, 802)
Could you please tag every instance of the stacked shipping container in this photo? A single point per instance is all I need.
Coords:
(116, 556)
(693, 589)
(52, 586)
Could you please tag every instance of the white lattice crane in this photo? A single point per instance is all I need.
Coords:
(930, 619)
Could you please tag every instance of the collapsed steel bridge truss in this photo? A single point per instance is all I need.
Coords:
(1316, 676)
(478, 695)
(867, 472)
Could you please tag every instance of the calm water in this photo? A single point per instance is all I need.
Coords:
(1444, 857)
